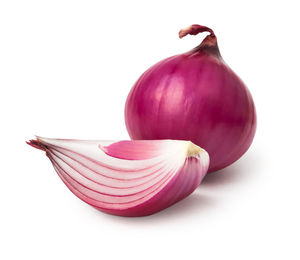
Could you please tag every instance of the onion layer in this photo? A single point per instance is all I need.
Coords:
(127, 178)
(194, 96)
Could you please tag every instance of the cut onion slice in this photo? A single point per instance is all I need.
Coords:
(127, 178)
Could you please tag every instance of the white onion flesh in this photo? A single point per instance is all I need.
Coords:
(93, 170)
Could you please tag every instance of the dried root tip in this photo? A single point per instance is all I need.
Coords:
(192, 149)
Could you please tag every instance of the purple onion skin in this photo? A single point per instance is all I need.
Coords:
(194, 96)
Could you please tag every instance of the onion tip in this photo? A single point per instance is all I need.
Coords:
(194, 29)
(36, 144)
(192, 149)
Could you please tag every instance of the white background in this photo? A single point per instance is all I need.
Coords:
(66, 68)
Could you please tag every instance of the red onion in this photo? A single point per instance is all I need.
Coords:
(194, 96)
(127, 178)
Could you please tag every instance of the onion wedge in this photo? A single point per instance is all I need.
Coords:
(127, 178)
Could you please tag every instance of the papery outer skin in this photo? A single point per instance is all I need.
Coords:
(194, 96)
(126, 187)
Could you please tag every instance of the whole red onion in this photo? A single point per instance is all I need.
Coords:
(194, 96)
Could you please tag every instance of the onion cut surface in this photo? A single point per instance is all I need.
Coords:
(127, 178)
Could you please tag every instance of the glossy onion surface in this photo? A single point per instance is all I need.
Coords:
(194, 96)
